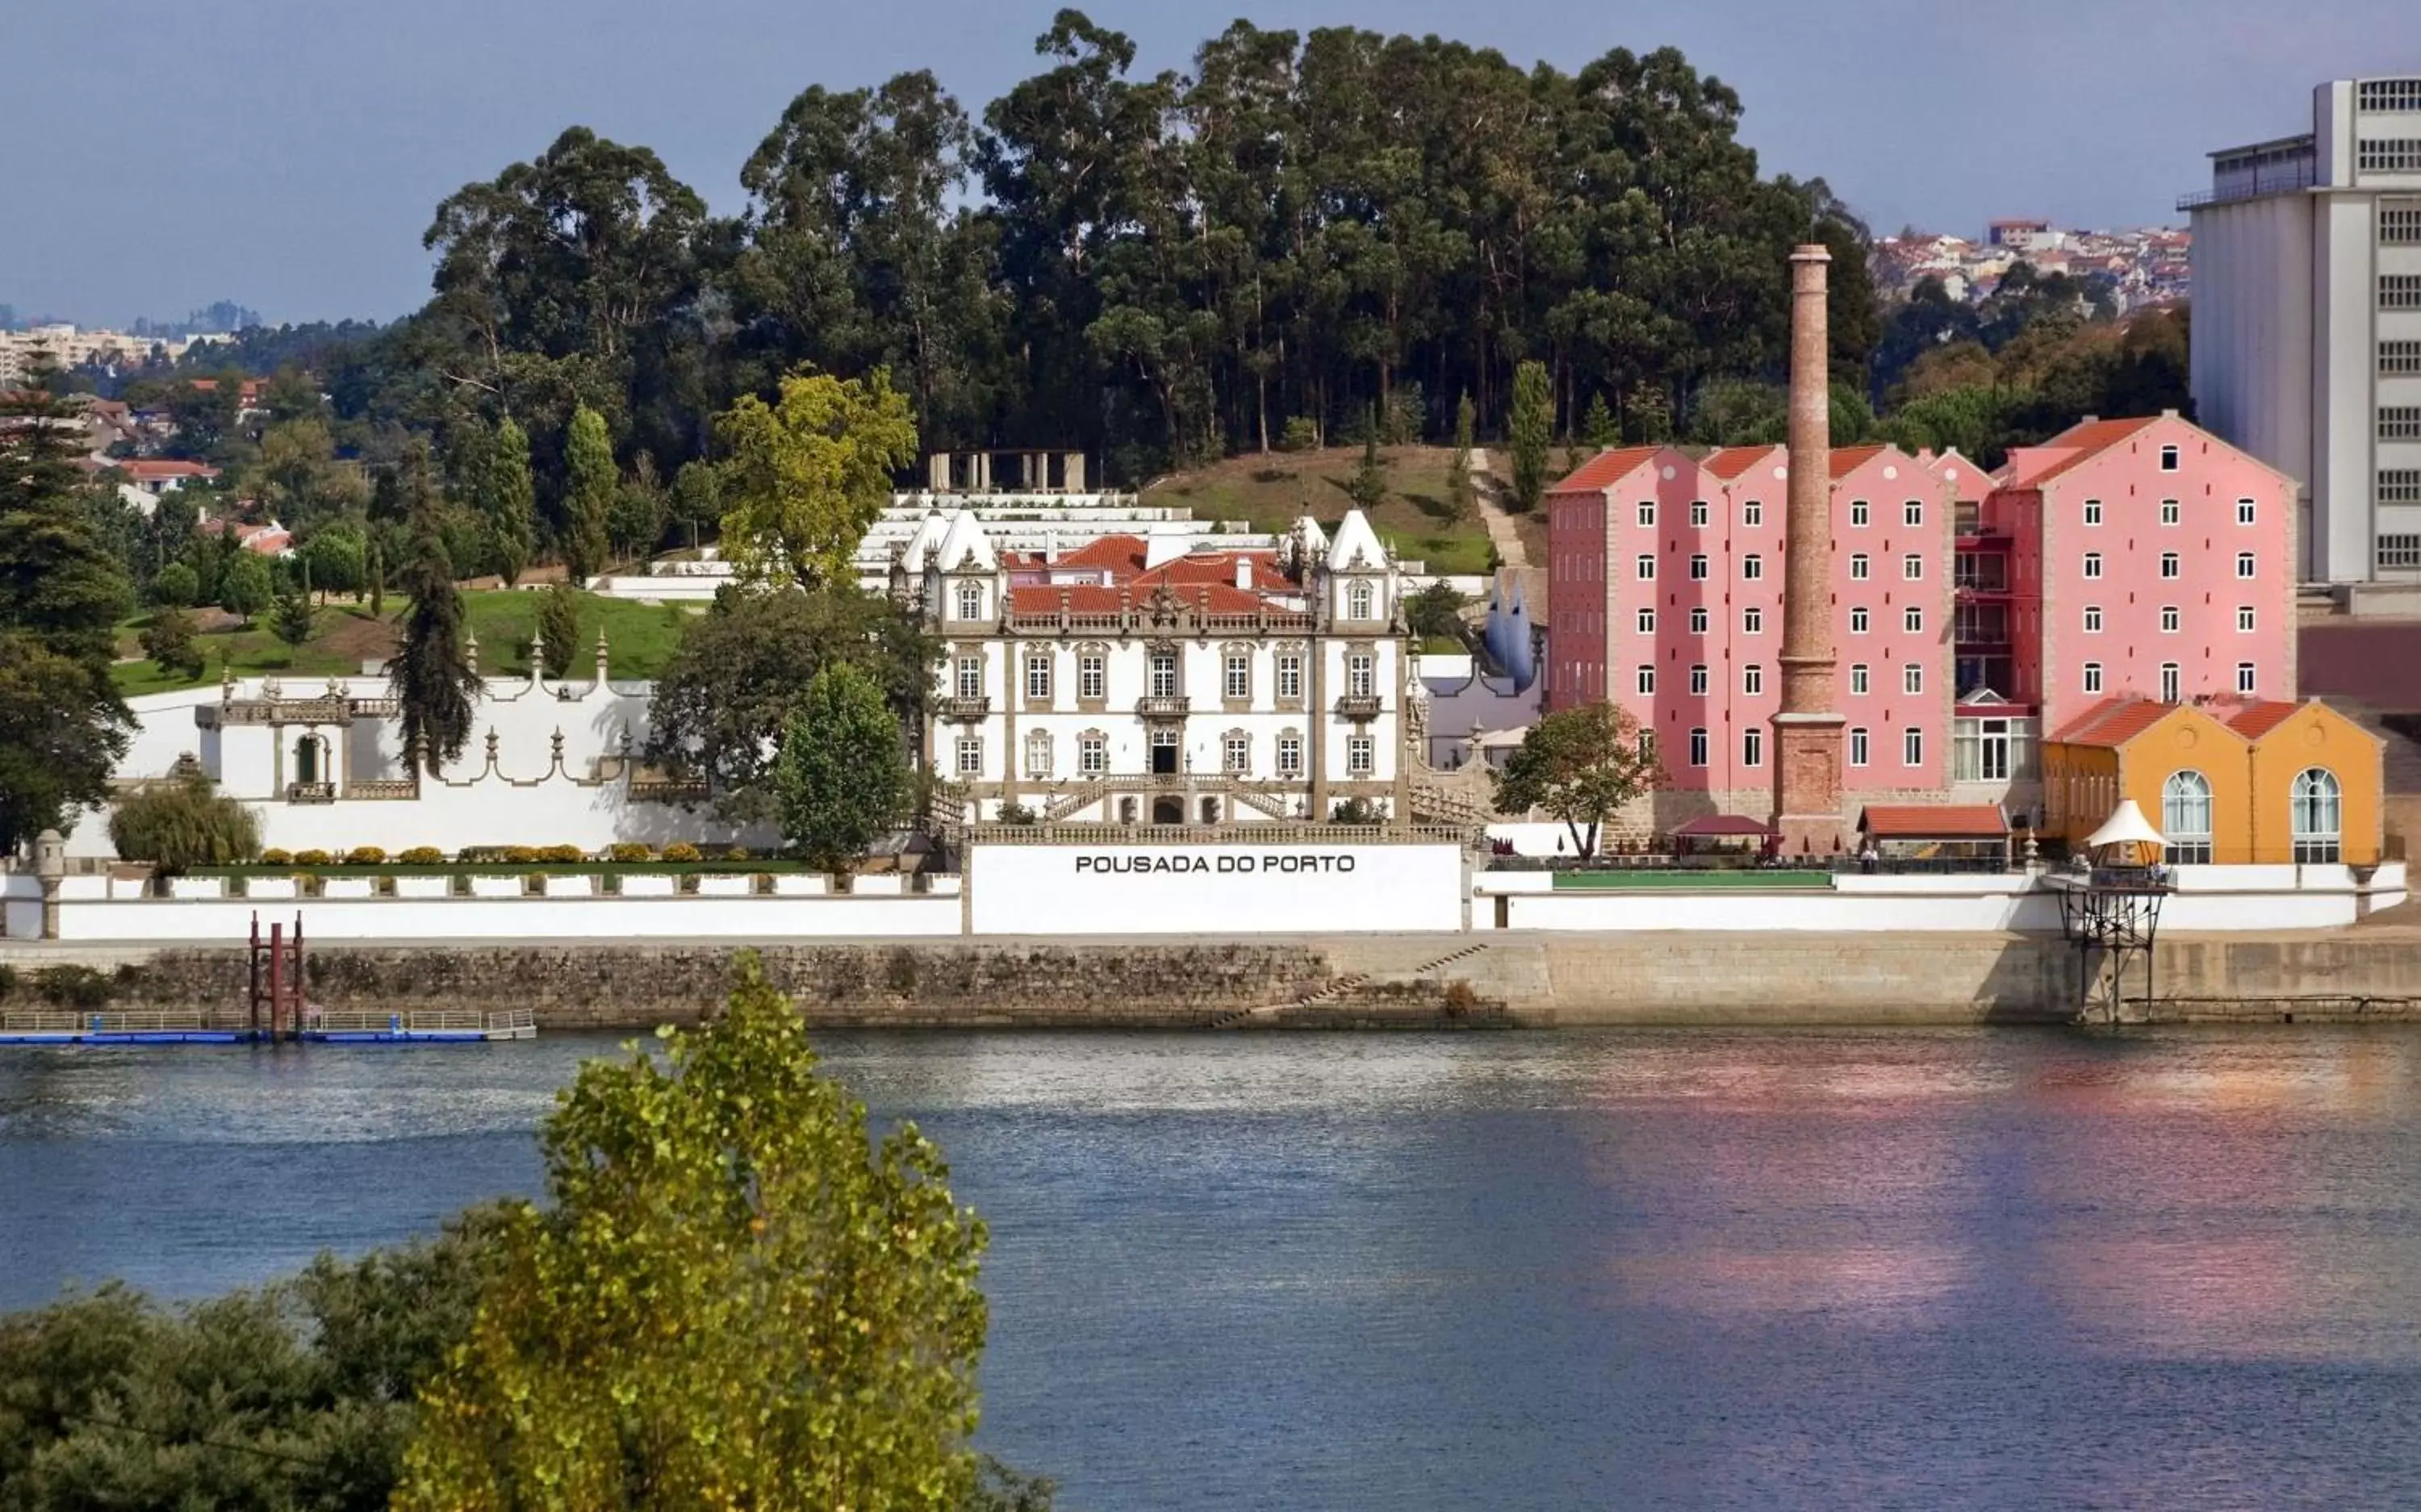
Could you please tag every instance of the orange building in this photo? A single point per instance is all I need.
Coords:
(2228, 784)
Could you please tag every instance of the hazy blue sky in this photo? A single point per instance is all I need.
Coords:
(286, 153)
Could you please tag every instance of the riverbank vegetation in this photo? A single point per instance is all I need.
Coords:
(735, 1295)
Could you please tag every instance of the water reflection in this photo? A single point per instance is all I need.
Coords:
(1707, 1270)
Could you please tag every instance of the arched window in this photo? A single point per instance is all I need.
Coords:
(1357, 602)
(971, 597)
(2185, 818)
(2315, 816)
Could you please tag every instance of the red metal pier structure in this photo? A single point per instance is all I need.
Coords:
(277, 982)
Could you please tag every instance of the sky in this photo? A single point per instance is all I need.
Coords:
(286, 154)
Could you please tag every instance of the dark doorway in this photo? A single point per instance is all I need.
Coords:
(1168, 811)
(1163, 753)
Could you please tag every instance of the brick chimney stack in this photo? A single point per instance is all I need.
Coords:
(1807, 727)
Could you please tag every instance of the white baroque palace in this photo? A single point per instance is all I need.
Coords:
(1138, 681)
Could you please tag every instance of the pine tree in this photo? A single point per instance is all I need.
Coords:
(590, 483)
(510, 501)
(1600, 427)
(430, 671)
(1534, 423)
(291, 620)
(558, 628)
(1370, 484)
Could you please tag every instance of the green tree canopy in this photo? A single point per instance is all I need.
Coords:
(430, 671)
(807, 475)
(244, 584)
(185, 822)
(168, 641)
(1580, 766)
(841, 780)
(590, 483)
(508, 500)
(558, 628)
(1533, 431)
(737, 1297)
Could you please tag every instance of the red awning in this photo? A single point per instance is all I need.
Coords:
(1717, 826)
(1945, 821)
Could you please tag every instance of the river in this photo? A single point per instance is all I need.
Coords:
(1707, 1270)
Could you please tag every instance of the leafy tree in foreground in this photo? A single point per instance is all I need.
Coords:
(842, 778)
(741, 673)
(168, 641)
(1580, 766)
(1533, 420)
(558, 628)
(738, 1299)
(244, 587)
(430, 671)
(292, 623)
(175, 587)
(590, 484)
(809, 474)
(1436, 610)
(183, 823)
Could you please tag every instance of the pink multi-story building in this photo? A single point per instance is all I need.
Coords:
(2141, 557)
(1666, 598)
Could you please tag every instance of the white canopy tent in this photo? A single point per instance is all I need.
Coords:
(2126, 838)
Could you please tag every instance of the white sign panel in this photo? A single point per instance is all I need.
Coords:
(1119, 887)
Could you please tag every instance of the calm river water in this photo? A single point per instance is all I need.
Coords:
(1306, 1271)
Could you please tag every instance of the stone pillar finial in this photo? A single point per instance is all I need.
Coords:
(471, 649)
(555, 746)
(492, 748)
(601, 656)
(537, 658)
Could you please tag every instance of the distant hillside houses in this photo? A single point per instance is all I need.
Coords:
(2140, 268)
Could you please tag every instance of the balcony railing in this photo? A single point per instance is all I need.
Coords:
(388, 789)
(975, 707)
(310, 792)
(1358, 705)
(2282, 178)
(1163, 706)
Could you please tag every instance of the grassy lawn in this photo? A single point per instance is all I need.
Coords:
(639, 639)
(1416, 518)
(1669, 880)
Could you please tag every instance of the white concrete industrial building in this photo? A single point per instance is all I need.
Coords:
(2307, 321)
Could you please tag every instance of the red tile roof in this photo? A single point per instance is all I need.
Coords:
(143, 467)
(2031, 467)
(2114, 721)
(2255, 720)
(1848, 460)
(1731, 462)
(1943, 822)
(1605, 470)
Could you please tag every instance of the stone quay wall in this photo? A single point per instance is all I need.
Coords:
(1412, 980)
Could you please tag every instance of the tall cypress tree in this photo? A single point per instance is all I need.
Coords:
(62, 723)
(590, 482)
(1534, 422)
(430, 671)
(509, 500)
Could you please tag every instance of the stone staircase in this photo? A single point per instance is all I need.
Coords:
(1334, 991)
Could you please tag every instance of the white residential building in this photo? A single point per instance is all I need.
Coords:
(2307, 321)
(1138, 681)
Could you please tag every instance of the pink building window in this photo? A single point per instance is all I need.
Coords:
(1646, 568)
(2244, 511)
(2170, 619)
(1698, 621)
(1858, 680)
(1912, 568)
(1647, 514)
(1858, 621)
(1912, 747)
(1751, 620)
(1858, 747)
(1858, 565)
(2092, 676)
(1697, 514)
(1648, 621)
(1858, 513)
(2170, 513)
(1752, 679)
(1911, 678)
(1646, 681)
(1751, 567)
(2170, 566)
(1912, 513)
(2093, 619)
(1697, 566)
(2092, 565)
(2244, 567)
(2245, 678)
(1912, 620)
(1753, 514)
(1698, 681)
(2093, 511)
(1752, 747)
(1699, 747)
(2244, 619)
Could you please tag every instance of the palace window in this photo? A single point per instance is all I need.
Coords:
(1697, 514)
(1912, 676)
(1751, 620)
(1858, 680)
(1092, 675)
(2093, 619)
(1239, 684)
(1698, 681)
(1361, 756)
(1038, 678)
(1858, 567)
(1163, 673)
(1038, 753)
(1290, 754)
(1647, 514)
(1648, 621)
(2185, 818)
(971, 599)
(1752, 679)
(970, 762)
(971, 677)
(2170, 619)
(1362, 675)
(1290, 675)
(1235, 752)
(1358, 601)
(2092, 676)
(1912, 747)
(1646, 681)
(1752, 747)
(1858, 513)
(1751, 567)
(1092, 753)
(1698, 620)
(2244, 619)
(1699, 747)
(2315, 816)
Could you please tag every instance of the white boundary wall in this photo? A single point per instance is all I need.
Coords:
(1214, 890)
(228, 921)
